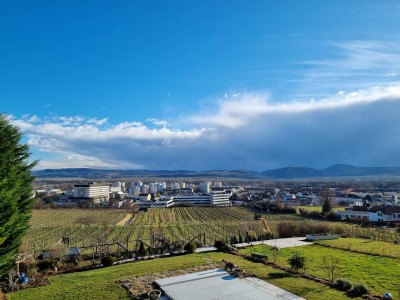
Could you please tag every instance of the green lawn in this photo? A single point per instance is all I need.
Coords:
(364, 245)
(305, 288)
(379, 274)
(103, 283)
(318, 208)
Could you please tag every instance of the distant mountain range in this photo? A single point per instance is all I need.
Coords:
(339, 170)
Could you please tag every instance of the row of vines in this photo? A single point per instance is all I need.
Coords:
(208, 224)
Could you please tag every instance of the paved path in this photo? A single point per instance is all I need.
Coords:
(205, 249)
(280, 243)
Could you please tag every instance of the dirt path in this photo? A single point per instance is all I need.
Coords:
(124, 220)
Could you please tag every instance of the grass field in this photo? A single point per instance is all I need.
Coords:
(103, 283)
(379, 274)
(364, 246)
(318, 208)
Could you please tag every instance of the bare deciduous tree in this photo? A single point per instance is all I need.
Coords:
(330, 265)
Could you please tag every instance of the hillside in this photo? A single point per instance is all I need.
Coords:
(338, 170)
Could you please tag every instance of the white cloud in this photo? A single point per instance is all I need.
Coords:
(97, 122)
(157, 122)
(341, 109)
(248, 131)
(348, 65)
(239, 112)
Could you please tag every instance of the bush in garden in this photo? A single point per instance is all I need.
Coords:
(234, 240)
(45, 264)
(359, 289)
(107, 261)
(343, 285)
(220, 245)
(287, 210)
(285, 229)
(331, 216)
(303, 212)
(297, 262)
(142, 250)
(240, 239)
(310, 214)
(190, 247)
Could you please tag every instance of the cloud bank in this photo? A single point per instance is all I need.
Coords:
(245, 131)
(249, 130)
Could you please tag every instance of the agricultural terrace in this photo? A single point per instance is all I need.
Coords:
(89, 227)
(203, 224)
(48, 226)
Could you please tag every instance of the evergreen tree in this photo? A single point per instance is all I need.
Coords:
(297, 262)
(327, 206)
(16, 196)
(240, 238)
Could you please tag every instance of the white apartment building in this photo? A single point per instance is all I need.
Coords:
(375, 214)
(220, 198)
(144, 189)
(153, 188)
(205, 187)
(163, 202)
(91, 191)
(217, 184)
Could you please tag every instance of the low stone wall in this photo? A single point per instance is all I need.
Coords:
(318, 237)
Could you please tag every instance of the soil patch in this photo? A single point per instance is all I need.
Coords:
(124, 220)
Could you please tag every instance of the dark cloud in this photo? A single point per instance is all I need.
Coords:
(244, 132)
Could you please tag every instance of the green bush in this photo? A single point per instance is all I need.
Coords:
(142, 250)
(190, 247)
(220, 245)
(297, 262)
(234, 240)
(343, 285)
(359, 289)
(107, 261)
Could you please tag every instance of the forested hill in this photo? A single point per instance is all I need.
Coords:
(339, 170)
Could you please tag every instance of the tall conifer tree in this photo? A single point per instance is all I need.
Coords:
(15, 191)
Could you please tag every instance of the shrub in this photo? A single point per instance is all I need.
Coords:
(142, 250)
(331, 216)
(359, 289)
(234, 240)
(45, 264)
(297, 262)
(343, 285)
(107, 261)
(220, 245)
(190, 247)
(285, 229)
(240, 238)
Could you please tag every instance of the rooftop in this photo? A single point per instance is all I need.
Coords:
(218, 284)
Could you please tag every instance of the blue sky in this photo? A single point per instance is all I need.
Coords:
(203, 84)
